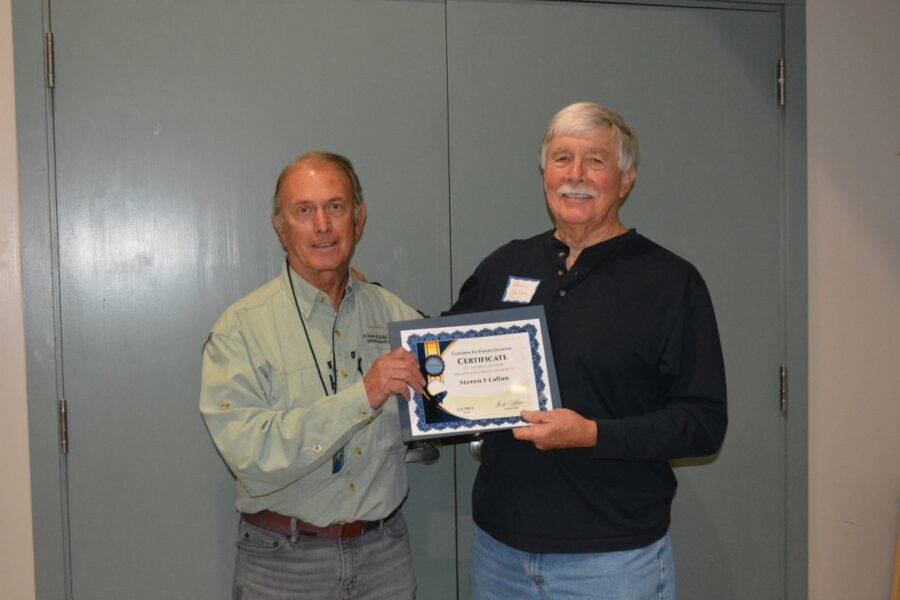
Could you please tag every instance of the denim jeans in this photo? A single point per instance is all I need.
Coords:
(373, 566)
(499, 571)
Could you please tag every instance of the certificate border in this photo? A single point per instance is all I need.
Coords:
(470, 321)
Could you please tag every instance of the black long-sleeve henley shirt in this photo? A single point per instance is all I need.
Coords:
(636, 349)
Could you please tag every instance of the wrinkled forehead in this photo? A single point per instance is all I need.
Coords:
(318, 166)
(315, 172)
(598, 140)
(597, 135)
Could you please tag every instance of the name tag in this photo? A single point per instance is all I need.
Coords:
(520, 289)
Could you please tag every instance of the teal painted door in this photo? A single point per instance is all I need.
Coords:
(172, 120)
(698, 86)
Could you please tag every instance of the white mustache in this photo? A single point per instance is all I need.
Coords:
(568, 189)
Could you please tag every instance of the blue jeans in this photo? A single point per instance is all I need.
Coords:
(374, 566)
(499, 571)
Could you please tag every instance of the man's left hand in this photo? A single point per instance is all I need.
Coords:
(557, 428)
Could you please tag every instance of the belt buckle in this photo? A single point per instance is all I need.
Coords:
(355, 529)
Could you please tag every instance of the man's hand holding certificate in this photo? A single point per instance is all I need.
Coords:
(561, 428)
(481, 371)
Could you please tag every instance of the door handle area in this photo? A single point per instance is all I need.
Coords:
(475, 448)
(425, 453)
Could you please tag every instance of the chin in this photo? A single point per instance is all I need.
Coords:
(329, 266)
(573, 217)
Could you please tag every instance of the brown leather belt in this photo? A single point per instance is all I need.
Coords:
(282, 524)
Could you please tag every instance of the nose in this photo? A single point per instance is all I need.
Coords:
(576, 170)
(322, 222)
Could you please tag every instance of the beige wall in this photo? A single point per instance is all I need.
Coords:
(16, 551)
(854, 294)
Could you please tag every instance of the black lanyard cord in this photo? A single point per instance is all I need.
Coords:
(334, 357)
(309, 342)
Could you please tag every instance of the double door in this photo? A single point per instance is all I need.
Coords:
(171, 122)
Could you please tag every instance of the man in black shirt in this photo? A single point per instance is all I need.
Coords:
(577, 504)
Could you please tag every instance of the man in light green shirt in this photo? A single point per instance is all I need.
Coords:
(297, 378)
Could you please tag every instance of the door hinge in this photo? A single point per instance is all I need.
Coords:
(781, 81)
(49, 61)
(783, 389)
(63, 428)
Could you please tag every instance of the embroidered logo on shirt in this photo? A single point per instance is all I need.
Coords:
(375, 335)
(520, 289)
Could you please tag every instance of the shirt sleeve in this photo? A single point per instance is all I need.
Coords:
(693, 418)
(269, 449)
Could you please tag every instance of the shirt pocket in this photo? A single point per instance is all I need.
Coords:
(300, 387)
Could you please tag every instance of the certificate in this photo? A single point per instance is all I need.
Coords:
(481, 371)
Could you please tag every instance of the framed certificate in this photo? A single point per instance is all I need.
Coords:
(481, 371)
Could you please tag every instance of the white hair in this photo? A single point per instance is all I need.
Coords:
(582, 119)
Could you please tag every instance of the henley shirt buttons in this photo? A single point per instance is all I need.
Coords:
(562, 292)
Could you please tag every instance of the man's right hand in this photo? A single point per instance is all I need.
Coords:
(392, 373)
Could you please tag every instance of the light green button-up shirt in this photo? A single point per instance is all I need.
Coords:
(276, 427)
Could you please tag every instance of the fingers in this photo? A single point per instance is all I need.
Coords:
(539, 428)
(415, 377)
(357, 274)
(540, 435)
(401, 365)
(399, 386)
(535, 416)
(558, 428)
(393, 373)
(526, 434)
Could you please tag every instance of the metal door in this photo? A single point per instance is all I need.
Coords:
(699, 87)
(172, 121)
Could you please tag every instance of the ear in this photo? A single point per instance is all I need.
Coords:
(360, 220)
(627, 182)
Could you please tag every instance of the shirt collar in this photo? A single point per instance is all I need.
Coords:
(590, 256)
(309, 297)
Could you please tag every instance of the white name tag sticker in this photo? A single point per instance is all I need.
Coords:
(520, 289)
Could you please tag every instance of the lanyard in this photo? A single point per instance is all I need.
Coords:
(309, 342)
(337, 461)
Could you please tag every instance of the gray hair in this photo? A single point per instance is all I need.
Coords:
(583, 119)
(342, 162)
